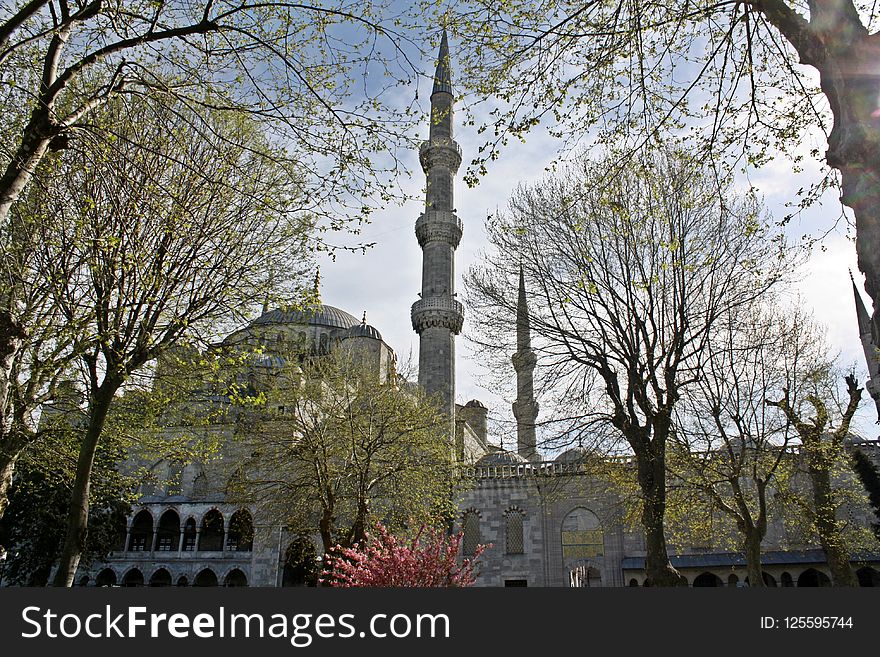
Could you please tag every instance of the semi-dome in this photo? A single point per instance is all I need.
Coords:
(502, 457)
(475, 403)
(363, 331)
(320, 315)
(573, 455)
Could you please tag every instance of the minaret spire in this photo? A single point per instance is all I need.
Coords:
(437, 317)
(525, 408)
(872, 356)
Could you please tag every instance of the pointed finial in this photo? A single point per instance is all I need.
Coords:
(266, 303)
(523, 333)
(364, 319)
(442, 76)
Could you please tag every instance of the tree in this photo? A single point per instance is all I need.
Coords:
(737, 79)
(870, 478)
(822, 445)
(156, 237)
(731, 448)
(293, 67)
(430, 559)
(631, 274)
(358, 447)
(33, 527)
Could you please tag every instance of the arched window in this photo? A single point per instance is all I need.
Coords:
(707, 579)
(200, 486)
(732, 580)
(582, 535)
(300, 563)
(211, 538)
(513, 531)
(235, 578)
(106, 578)
(206, 577)
(168, 534)
(141, 538)
(189, 535)
(160, 578)
(470, 525)
(241, 532)
(183, 580)
(633, 582)
(133, 577)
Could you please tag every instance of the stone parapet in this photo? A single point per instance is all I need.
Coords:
(440, 152)
(439, 226)
(437, 311)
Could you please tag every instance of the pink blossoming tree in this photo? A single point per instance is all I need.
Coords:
(430, 559)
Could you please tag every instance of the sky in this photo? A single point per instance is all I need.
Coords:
(385, 280)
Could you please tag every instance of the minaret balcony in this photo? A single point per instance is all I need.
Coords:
(439, 226)
(524, 360)
(437, 311)
(440, 152)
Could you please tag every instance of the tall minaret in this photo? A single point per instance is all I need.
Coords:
(525, 408)
(437, 317)
(871, 355)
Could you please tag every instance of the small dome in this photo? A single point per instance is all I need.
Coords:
(320, 315)
(474, 403)
(363, 331)
(501, 458)
(573, 455)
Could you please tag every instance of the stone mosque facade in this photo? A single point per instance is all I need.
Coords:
(550, 522)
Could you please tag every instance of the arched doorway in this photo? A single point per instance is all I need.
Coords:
(141, 536)
(732, 580)
(168, 533)
(584, 576)
(160, 578)
(235, 578)
(106, 578)
(786, 580)
(813, 577)
(868, 576)
(707, 579)
(300, 563)
(206, 577)
(211, 537)
(769, 580)
(183, 580)
(133, 578)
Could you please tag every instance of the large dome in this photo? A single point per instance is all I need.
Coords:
(320, 315)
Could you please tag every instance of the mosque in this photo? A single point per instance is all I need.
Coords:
(550, 522)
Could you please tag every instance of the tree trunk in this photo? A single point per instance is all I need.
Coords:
(7, 468)
(78, 511)
(753, 539)
(850, 80)
(827, 525)
(652, 481)
(35, 142)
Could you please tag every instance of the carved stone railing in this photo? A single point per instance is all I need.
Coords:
(437, 311)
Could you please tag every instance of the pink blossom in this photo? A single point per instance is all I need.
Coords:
(429, 560)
